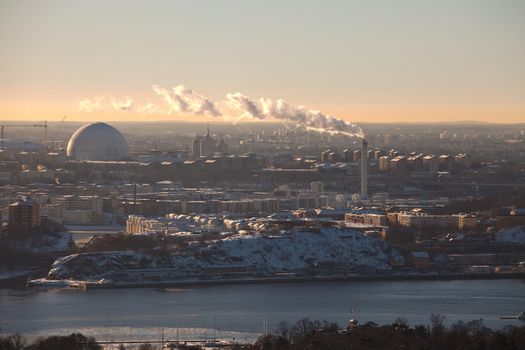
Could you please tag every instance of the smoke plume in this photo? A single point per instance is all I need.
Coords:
(183, 100)
(310, 119)
(90, 105)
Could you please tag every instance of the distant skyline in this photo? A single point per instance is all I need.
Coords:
(362, 61)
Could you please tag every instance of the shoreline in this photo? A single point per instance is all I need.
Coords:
(21, 277)
(280, 280)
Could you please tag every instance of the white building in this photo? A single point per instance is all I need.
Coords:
(97, 141)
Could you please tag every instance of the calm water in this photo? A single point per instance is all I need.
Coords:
(239, 311)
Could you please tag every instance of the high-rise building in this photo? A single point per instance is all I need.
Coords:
(377, 154)
(317, 187)
(326, 156)
(364, 169)
(398, 165)
(356, 155)
(431, 163)
(196, 148)
(206, 145)
(223, 147)
(24, 215)
(384, 162)
(446, 162)
(463, 161)
(348, 155)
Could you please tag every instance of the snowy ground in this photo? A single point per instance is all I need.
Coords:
(328, 250)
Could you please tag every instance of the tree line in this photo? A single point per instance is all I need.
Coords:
(308, 334)
(314, 335)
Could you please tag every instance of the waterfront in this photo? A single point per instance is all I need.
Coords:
(239, 310)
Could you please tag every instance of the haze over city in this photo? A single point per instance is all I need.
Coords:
(262, 175)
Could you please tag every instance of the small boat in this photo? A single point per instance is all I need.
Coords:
(521, 316)
(45, 283)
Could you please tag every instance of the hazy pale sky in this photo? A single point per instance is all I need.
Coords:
(413, 60)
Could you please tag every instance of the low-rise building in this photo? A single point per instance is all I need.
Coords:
(52, 212)
(419, 260)
(467, 221)
(421, 220)
(472, 259)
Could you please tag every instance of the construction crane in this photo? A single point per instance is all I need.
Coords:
(2, 130)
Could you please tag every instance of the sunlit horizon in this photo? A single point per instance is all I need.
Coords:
(412, 61)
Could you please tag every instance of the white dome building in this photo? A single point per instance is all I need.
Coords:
(97, 141)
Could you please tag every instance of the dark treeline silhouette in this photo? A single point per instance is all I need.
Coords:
(306, 334)
(490, 204)
(120, 242)
(75, 341)
(314, 335)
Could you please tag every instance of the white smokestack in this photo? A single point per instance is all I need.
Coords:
(364, 169)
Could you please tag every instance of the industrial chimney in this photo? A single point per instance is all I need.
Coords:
(364, 169)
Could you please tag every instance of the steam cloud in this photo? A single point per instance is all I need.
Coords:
(310, 119)
(104, 104)
(124, 105)
(183, 100)
(149, 108)
(90, 105)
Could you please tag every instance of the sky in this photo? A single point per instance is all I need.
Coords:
(361, 61)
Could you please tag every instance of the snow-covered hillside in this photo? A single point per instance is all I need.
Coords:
(328, 250)
(97, 265)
